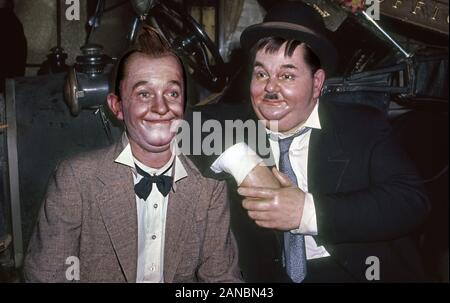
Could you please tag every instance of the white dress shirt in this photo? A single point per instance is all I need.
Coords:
(151, 216)
(298, 155)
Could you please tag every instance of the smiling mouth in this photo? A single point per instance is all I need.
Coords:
(167, 121)
(272, 102)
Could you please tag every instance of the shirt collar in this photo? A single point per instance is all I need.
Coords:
(313, 121)
(126, 158)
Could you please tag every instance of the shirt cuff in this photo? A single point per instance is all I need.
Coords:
(308, 223)
(237, 160)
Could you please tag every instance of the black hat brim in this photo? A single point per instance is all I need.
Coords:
(319, 44)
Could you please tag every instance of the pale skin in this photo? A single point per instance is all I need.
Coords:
(270, 198)
(150, 104)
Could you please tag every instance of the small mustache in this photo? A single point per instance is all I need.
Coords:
(271, 96)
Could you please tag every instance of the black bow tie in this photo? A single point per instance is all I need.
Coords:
(144, 187)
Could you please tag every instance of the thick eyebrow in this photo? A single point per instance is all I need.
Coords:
(143, 82)
(175, 82)
(139, 84)
(258, 64)
(289, 66)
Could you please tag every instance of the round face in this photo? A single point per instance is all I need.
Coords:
(283, 89)
(151, 101)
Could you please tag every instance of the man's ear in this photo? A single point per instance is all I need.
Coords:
(115, 105)
(319, 79)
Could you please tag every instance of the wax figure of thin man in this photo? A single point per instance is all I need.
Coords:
(138, 210)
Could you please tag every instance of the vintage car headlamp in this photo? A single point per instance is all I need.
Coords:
(87, 82)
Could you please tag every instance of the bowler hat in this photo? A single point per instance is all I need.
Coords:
(294, 20)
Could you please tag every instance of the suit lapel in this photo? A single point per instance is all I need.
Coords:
(327, 160)
(116, 201)
(180, 211)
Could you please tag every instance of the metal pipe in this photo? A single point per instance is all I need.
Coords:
(220, 27)
(13, 165)
(386, 34)
(134, 29)
(94, 21)
(58, 23)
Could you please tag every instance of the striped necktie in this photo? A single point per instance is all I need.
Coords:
(294, 244)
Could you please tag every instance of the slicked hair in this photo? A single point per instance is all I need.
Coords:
(272, 45)
(148, 42)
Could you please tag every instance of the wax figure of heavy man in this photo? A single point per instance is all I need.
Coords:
(347, 197)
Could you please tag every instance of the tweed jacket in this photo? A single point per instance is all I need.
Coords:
(89, 212)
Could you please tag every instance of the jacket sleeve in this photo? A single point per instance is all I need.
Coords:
(219, 256)
(393, 205)
(54, 245)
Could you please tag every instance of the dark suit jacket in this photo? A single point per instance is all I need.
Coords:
(369, 201)
(90, 212)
